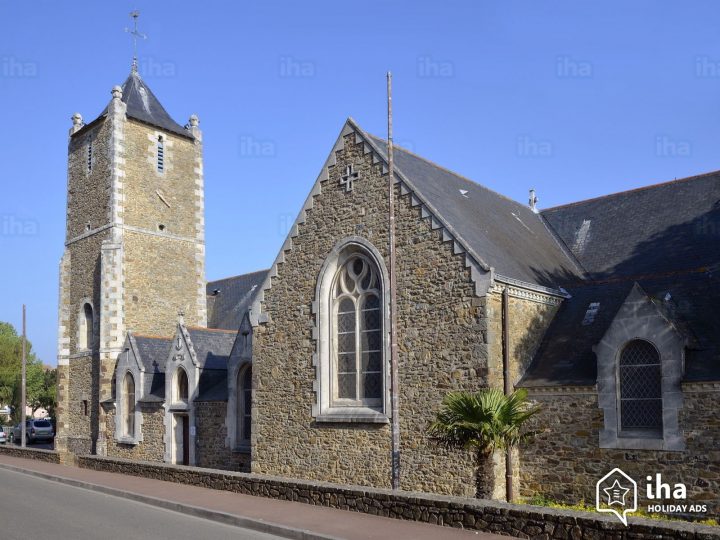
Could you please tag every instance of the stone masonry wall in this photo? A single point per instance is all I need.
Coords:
(212, 449)
(151, 447)
(520, 521)
(29, 453)
(161, 270)
(441, 338)
(528, 321)
(565, 461)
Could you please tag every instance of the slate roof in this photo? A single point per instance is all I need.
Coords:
(212, 346)
(212, 385)
(505, 234)
(153, 353)
(142, 105)
(666, 238)
(234, 296)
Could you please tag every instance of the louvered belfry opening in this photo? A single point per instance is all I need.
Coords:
(640, 376)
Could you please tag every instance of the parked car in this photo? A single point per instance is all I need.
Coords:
(35, 430)
(3, 436)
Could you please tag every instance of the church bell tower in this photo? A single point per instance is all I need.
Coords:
(134, 249)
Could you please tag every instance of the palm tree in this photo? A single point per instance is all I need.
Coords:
(483, 422)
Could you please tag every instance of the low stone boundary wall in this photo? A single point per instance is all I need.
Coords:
(10, 449)
(511, 519)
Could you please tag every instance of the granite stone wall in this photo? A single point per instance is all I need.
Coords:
(565, 461)
(520, 521)
(49, 456)
(213, 451)
(151, 447)
(442, 344)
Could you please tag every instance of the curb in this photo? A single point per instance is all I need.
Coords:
(258, 525)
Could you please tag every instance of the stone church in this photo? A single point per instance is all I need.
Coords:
(604, 310)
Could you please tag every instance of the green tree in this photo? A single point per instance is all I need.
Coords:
(483, 422)
(11, 371)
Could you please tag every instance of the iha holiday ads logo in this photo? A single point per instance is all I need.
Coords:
(617, 493)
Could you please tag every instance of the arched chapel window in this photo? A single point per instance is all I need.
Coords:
(85, 332)
(640, 380)
(128, 405)
(357, 367)
(181, 386)
(244, 404)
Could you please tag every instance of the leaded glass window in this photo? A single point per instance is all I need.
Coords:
(244, 404)
(640, 377)
(358, 366)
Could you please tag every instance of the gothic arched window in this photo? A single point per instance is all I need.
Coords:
(243, 404)
(640, 381)
(181, 386)
(128, 408)
(357, 363)
(85, 330)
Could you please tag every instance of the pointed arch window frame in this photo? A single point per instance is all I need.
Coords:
(325, 408)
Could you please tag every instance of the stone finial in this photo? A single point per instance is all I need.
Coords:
(181, 316)
(193, 127)
(77, 123)
(116, 92)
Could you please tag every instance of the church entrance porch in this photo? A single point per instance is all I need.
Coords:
(181, 439)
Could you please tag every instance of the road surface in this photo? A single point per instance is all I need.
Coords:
(35, 509)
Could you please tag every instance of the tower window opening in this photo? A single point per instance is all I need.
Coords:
(89, 156)
(160, 154)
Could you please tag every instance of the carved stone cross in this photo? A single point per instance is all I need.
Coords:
(348, 178)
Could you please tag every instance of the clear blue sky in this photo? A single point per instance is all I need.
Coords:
(574, 98)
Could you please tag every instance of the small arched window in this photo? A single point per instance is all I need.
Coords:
(128, 405)
(244, 404)
(640, 381)
(181, 386)
(85, 332)
(357, 334)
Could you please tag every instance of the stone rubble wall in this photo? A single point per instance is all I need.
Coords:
(520, 521)
(10, 449)
(151, 447)
(213, 451)
(564, 462)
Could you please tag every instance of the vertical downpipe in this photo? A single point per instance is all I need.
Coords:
(394, 396)
(509, 492)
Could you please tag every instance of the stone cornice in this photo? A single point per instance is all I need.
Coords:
(561, 390)
(701, 386)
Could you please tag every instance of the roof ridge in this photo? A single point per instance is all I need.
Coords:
(211, 329)
(150, 336)
(239, 275)
(445, 169)
(633, 190)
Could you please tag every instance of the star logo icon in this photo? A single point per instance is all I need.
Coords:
(616, 494)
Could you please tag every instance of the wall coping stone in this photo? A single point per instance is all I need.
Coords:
(518, 520)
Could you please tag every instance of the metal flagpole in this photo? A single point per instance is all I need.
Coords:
(23, 397)
(394, 397)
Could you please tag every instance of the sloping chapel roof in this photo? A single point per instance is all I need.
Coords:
(665, 237)
(230, 298)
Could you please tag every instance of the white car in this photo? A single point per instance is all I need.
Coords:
(3, 436)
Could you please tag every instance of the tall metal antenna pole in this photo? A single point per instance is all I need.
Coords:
(394, 391)
(23, 397)
(135, 34)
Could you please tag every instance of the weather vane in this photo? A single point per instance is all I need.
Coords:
(135, 34)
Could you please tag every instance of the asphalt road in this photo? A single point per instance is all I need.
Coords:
(36, 509)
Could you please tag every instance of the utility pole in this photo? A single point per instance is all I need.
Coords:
(23, 397)
(394, 391)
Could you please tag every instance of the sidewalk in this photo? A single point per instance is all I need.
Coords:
(282, 518)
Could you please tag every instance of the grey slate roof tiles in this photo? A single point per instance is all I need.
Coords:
(230, 298)
(664, 237)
